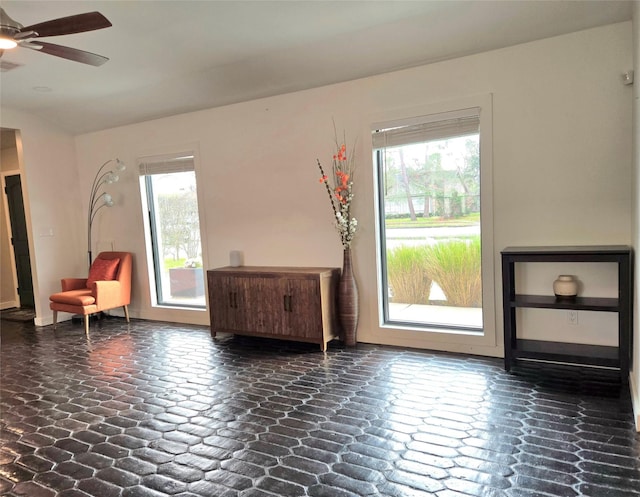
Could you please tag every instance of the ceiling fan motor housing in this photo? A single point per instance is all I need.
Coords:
(8, 27)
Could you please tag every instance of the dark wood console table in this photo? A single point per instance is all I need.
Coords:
(560, 352)
(287, 303)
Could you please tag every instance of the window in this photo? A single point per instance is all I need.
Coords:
(170, 201)
(432, 221)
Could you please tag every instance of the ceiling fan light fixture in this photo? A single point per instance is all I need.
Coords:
(7, 43)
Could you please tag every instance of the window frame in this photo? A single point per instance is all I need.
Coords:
(487, 336)
(162, 164)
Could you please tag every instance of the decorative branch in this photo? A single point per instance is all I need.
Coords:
(341, 192)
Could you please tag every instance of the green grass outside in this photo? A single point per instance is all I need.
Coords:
(433, 222)
(173, 263)
(435, 237)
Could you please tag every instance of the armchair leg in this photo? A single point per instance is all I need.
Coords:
(55, 319)
(126, 312)
(86, 324)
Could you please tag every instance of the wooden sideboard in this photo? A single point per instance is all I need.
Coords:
(288, 303)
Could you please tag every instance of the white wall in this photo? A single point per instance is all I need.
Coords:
(635, 374)
(52, 205)
(562, 164)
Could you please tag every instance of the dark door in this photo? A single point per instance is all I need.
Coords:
(19, 239)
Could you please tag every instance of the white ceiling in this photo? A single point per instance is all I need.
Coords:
(169, 57)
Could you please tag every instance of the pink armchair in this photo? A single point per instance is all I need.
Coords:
(86, 296)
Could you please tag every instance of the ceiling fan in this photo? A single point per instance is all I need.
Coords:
(13, 34)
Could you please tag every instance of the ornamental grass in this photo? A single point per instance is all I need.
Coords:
(407, 276)
(456, 266)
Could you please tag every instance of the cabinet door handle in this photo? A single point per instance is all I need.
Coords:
(231, 299)
(286, 300)
(235, 300)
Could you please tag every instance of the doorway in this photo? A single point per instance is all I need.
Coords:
(16, 268)
(19, 239)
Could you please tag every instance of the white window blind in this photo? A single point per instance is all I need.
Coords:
(434, 127)
(166, 164)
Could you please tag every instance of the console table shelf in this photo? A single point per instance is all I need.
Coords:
(578, 303)
(572, 353)
(587, 355)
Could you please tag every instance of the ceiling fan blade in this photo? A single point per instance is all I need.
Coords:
(67, 53)
(69, 25)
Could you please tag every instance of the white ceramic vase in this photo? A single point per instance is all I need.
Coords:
(565, 286)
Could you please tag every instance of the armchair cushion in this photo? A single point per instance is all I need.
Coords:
(74, 297)
(102, 270)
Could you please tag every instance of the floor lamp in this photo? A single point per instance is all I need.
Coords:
(97, 199)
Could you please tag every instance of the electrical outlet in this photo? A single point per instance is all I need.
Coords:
(572, 317)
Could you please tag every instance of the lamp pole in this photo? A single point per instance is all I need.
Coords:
(99, 200)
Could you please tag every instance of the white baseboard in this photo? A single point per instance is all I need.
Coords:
(635, 399)
(46, 320)
(8, 305)
(42, 322)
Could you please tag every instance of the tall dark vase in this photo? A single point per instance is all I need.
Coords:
(348, 301)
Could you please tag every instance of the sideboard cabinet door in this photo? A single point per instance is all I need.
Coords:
(301, 309)
(262, 309)
(227, 301)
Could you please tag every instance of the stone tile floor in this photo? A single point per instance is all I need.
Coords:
(155, 409)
